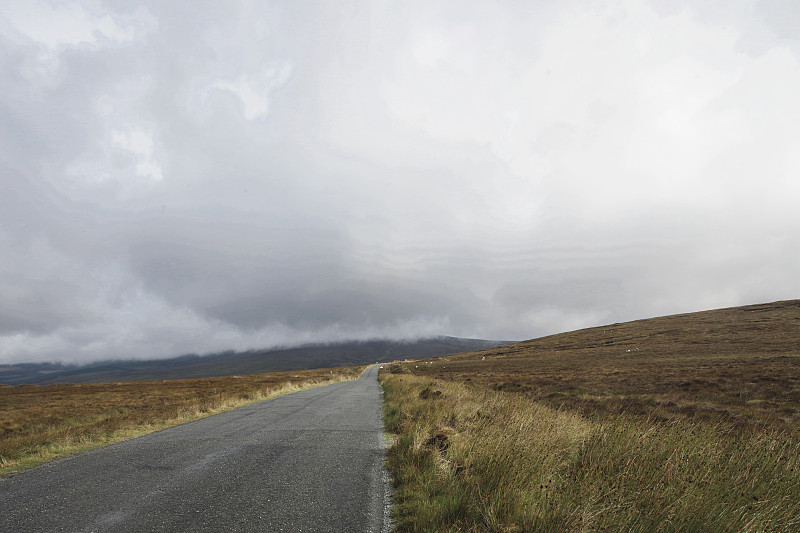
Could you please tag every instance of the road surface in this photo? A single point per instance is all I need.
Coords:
(309, 461)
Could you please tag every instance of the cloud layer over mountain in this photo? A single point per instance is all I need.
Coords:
(209, 176)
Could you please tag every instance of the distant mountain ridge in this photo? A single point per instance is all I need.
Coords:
(232, 363)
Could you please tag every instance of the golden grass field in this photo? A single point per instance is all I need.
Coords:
(682, 423)
(40, 423)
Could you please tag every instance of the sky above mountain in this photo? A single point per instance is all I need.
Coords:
(199, 176)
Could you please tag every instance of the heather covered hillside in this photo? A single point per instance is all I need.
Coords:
(688, 422)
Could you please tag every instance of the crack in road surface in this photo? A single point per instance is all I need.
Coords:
(307, 461)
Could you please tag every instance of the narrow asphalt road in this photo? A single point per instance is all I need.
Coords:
(309, 461)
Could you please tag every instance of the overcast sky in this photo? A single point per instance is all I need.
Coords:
(198, 176)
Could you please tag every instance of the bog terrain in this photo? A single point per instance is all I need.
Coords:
(682, 423)
(40, 423)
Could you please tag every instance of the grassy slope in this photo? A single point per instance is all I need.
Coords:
(41, 423)
(681, 423)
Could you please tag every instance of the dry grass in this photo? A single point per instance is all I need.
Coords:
(741, 365)
(684, 423)
(40, 423)
(474, 459)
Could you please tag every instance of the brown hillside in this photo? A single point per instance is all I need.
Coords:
(740, 365)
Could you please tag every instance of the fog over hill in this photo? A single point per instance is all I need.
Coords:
(232, 363)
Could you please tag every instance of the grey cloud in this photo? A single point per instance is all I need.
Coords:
(252, 174)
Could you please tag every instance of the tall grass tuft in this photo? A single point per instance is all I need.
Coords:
(468, 458)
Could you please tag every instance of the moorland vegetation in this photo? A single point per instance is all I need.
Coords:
(39, 423)
(682, 423)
